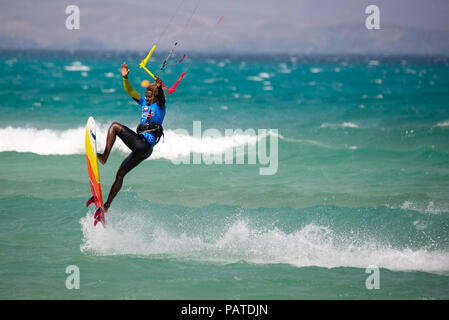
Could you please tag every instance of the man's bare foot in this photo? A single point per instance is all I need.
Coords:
(106, 207)
(100, 157)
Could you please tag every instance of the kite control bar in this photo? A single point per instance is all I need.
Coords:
(145, 61)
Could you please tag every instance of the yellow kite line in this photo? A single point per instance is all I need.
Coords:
(144, 62)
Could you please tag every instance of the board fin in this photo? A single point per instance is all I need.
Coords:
(90, 201)
(99, 216)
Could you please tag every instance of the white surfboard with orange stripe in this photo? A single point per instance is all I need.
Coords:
(94, 174)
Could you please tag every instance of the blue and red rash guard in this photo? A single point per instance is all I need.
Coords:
(157, 115)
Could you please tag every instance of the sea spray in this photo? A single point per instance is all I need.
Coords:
(247, 238)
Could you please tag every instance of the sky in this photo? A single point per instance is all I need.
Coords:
(247, 26)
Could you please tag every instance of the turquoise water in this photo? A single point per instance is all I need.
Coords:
(362, 179)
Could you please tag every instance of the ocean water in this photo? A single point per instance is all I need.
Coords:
(362, 179)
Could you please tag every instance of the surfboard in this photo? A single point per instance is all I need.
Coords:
(93, 172)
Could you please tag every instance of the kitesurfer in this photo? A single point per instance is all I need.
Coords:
(148, 133)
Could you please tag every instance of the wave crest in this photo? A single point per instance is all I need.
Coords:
(340, 125)
(175, 144)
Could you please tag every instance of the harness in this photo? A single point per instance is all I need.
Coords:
(151, 127)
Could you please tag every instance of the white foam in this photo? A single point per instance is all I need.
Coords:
(111, 90)
(42, 141)
(255, 78)
(406, 205)
(211, 80)
(349, 125)
(443, 124)
(341, 125)
(316, 70)
(312, 245)
(429, 208)
(283, 68)
(77, 66)
(71, 141)
(180, 145)
(285, 71)
(11, 62)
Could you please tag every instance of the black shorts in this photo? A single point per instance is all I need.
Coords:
(140, 147)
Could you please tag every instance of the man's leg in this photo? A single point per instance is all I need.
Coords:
(113, 131)
(116, 186)
(141, 150)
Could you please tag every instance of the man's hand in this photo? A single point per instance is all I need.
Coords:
(125, 70)
(158, 82)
